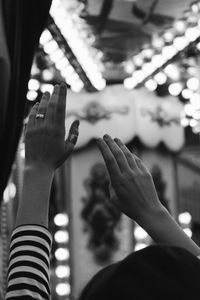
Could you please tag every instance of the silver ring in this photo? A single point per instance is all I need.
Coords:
(40, 116)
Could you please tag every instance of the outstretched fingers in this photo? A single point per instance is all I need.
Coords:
(117, 153)
(129, 156)
(110, 161)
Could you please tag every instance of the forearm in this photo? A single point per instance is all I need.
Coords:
(164, 229)
(34, 203)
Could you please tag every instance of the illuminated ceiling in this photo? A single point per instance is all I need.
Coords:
(91, 43)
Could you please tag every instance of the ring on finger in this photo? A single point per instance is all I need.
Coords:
(40, 116)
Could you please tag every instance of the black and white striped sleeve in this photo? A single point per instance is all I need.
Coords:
(28, 269)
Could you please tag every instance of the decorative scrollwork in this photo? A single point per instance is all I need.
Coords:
(94, 112)
(160, 116)
(100, 215)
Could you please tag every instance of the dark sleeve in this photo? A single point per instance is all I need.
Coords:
(29, 259)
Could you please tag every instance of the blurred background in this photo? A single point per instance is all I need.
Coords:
(133, 71)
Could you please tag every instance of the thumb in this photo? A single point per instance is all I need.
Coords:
(72, 138)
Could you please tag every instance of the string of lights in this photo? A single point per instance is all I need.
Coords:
(80, 39)
(156, 65)
(62, 255)
(59, 56)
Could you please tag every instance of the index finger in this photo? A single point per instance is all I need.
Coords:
(129, 156)
(111, 164)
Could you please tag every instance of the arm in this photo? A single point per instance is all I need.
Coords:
(137, 196)
(46, 149)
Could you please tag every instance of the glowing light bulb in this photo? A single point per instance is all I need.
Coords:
(151, 85)
(99, 84)
(50, 47)
(175, 88)
(158, 60)
(168, 36)
(61, 236)
(157, 42)
(62, 254)
(33, 84)
(169, 51)
(189, 109)
(77, 86)
(47, 75)
(138, 61)
(196, 115)
(148, 68)
(9, 192)
(180, 26)
(57, 55)
(147, 53)
(63, 289)
(180, 42)
(193, 83)
(172, 71)
(61, 220)
(62, 271)
(186, 93)
(31, 95)
(198, 45)
(185, 122)
(160, 78)
(130, 83)
(195, 8)
(195, 101)
(138, 76)
(192, 33)
(185, 218)
(45, 37)
(193, 123)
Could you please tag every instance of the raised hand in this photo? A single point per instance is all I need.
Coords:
(131, 180)
(45, 144)
(137, 196)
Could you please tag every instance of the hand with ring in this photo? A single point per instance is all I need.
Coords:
(45, 144)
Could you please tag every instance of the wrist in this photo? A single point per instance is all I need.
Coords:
(153, 219)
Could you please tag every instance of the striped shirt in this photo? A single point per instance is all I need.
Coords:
(28, 269)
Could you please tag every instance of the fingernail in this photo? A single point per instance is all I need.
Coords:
(107, 136)
(56, 88)
(63, 85)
